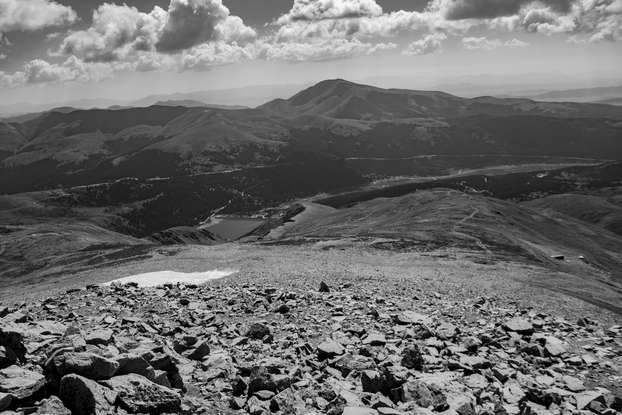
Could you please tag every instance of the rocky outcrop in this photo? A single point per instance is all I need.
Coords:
(352, 349)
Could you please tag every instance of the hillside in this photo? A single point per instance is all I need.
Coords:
(592, 209)
(337, 118)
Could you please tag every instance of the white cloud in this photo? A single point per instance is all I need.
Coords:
(319, 49)
(39, 71)
(123, 32)
(208, 55)
(475, 43)
(428, 44)
(30, 15)
(313, 10)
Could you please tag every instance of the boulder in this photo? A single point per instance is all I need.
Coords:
(199, 352)
(133, 363)
(329, 349)
(412, 358)
(20, 383)
(258, 331)
(424, 395)
(89, 365)
(375, 339)
(136, 393)
(519, 325)
(102, 336)
(324, 288)
(85, 397)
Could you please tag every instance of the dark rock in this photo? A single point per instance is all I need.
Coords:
(259, 380)
(258, 331)
(20, 383)
(12, 337)
(382, 381)
(412, 358)
(199, 352)
(85, 364)
(136, 393)
(7, 357)
(85, 397)
(132, 363)
(5, 400)
(324, 288)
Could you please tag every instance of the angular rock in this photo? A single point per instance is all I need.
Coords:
(52, 406)
(445, 331)
(103, 336)
(136, 393)
(329, 349)
(424, 395)
(85, 397)
(258, 331)
(519, 325)
(412, 358)
(89, 365)
(132, 363)
(324, 288)
(375, 339)
(19, 382)
(199, 352)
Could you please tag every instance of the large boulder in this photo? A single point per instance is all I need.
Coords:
(89, 365)
(20, 383)
(85, 397)
(136, 393)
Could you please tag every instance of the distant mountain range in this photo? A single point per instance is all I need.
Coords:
(334, 118)
(605, 95)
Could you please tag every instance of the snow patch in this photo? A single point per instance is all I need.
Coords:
(153, 279)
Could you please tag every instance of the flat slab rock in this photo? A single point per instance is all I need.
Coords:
(136, 393)
(20, 383)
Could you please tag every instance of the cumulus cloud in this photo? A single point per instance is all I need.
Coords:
(115, 32)
(429, 44)
(208, 55)
(30, 15)
(475, 43)
(487, 9)
(120, 31)
(319, 50)
(314, 10)
(38, 71)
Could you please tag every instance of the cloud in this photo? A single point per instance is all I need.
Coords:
(488, 9)
(429, 44)
(193, 22)
(31, 15)
(39, 71)
(120, 32)
(209, 55)
(319, 50)
(483, 43)
(314, 10)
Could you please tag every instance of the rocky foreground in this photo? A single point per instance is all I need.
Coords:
(349, 348)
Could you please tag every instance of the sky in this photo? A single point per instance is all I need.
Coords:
(60, 50)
